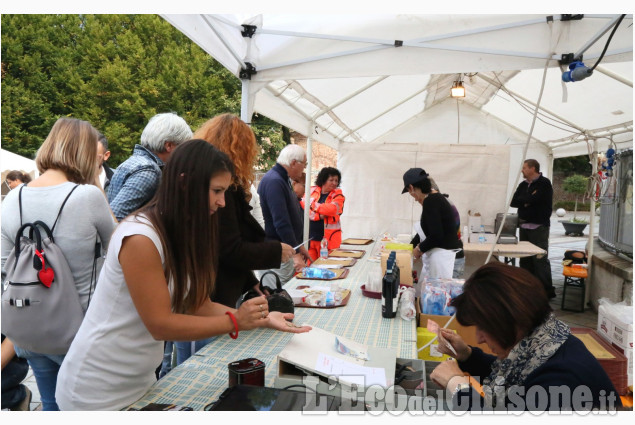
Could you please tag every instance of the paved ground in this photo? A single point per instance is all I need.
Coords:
(558, 244)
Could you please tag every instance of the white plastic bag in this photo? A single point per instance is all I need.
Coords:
(621, 311)
(407, 309)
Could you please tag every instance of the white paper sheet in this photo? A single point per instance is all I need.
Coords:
(350, 372)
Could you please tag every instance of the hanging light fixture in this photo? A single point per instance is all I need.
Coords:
(457, 89)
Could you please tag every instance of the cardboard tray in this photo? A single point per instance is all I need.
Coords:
(347, 253)
(357, 241)
(344, 263)
(343, 303)
(339, 274)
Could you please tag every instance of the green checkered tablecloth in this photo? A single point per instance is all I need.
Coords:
(203, 377)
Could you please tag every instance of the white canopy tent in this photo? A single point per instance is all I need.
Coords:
(376, 88)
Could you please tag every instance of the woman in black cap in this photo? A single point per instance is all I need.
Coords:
(437, 218)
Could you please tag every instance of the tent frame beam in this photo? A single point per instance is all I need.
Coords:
(542, 108)
(596, 37)
(385, 112)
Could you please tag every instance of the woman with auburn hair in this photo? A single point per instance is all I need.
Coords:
(67, 161)
(156, 284)
(538, 364)
(242, 245)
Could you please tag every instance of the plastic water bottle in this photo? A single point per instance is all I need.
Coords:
(481, 235)
(465, 235)
(324, 248)
(317, 273)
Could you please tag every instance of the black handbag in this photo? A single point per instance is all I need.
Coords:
(278, 300)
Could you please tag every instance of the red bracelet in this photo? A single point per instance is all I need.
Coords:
(234, 334)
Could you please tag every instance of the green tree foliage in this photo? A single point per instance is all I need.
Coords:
(573, 164)
(577, 185)
(115, 71)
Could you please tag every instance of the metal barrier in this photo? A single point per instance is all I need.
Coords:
(616, 207)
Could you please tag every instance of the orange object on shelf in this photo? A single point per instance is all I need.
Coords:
(574, 272)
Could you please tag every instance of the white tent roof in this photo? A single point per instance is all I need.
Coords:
(11, 161)
(374, 78)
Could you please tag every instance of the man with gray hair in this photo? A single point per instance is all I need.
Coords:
(281, 209)
(137, 179)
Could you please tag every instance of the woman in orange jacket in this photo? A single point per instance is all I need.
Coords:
(327, 204)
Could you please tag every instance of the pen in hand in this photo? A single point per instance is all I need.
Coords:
(296, 247)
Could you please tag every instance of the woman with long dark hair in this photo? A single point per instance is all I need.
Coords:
(156, 285)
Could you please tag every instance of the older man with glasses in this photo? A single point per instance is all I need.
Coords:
(281, 210)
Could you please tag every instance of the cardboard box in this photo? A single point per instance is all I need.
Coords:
(610, 358)
(614, 330)
(404, 260)
(468, 333)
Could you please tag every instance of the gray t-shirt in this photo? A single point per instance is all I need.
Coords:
(85, 215)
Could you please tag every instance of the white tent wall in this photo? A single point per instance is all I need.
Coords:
(473, 175)
(440, 125)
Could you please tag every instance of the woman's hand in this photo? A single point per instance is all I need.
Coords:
(463, 351)
(252, 313)
(287, 253)
(279, 321)
(416, 253)
(444, 372)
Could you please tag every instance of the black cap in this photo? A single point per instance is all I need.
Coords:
(412, 176)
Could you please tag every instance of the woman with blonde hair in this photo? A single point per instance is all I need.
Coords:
(242, 245)
(67, 164)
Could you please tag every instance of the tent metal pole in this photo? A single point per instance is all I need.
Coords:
(245, 113)
(495, 83)
(222, 40)
(591, 221)
(596, 37)
(390, 43)
(350, 96)
(480, 30)
(300, 112)
(477, 50)
(614, 76)
(307, 180)
(608, 53)
(384, 113)
(321, 57)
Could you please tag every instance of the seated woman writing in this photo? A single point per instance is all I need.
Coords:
(539, 365)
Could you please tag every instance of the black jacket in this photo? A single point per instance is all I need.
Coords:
(438, 224)
(572, 366)
(534, 201)
(242, 248)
